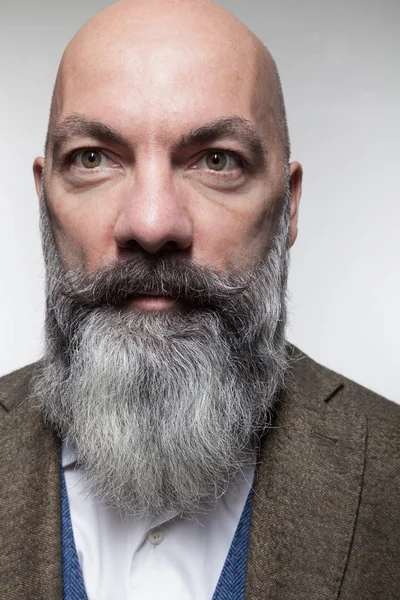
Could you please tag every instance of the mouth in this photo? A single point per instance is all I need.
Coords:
(153, 302)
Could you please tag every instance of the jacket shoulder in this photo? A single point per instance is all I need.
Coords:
(14, 387)
(324, 385)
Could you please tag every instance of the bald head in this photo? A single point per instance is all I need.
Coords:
(168, 118)
(139, 33)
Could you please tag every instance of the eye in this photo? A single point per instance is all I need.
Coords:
(219, 161)
(216, 161)
(90, 158)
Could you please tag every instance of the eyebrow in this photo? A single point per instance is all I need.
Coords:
(233, 127)
(79, 126)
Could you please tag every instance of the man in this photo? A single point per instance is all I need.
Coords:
(170, 443)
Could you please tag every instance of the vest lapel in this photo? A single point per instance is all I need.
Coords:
(307, 492)
(30, 565)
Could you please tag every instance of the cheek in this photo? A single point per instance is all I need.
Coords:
(231, 236)
(83, 229)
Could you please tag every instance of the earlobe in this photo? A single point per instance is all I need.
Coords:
(38, 169)
(296, 178)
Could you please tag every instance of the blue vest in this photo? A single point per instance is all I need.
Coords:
(231, 583)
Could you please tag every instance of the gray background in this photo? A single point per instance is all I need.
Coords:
(339, 63)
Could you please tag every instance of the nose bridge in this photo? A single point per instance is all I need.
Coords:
(153, 213)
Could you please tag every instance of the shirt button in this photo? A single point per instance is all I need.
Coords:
(155, 536)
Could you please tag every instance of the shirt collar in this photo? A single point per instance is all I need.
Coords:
(68, 456)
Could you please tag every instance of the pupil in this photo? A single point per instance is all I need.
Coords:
(92, 157)
(216, 161)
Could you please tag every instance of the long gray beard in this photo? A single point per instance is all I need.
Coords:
(163, 410)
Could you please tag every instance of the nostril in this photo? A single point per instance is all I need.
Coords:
(130, 236)
(149, 246)
(130, 248)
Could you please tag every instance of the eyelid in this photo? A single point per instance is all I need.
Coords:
(68, 161)
(241, 160)
(74, 153)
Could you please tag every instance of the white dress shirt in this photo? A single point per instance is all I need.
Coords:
(148, 558)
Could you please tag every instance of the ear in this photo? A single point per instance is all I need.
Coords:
(296, 178)
(38, 168)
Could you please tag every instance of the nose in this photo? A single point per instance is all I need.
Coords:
(153, 215)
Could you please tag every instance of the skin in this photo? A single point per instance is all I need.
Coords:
(154, 71)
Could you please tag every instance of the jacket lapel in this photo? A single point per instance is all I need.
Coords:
(30, 524)
(307, 492)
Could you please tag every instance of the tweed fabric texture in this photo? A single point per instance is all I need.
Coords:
(232, 580)
(30, 522)
(325, 519)
(72, 579)
(326, 514)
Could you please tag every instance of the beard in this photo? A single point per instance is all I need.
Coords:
(163, 410)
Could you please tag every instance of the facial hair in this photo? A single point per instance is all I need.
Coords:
(162, 409)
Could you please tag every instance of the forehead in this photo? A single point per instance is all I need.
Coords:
(160, 84)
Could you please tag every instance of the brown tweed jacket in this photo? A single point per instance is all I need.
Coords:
(326, 511)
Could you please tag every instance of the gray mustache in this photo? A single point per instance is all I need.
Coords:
(180, 279)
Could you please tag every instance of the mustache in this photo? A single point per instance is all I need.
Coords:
(180, 279)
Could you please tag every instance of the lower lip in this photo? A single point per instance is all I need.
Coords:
(153, 302)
